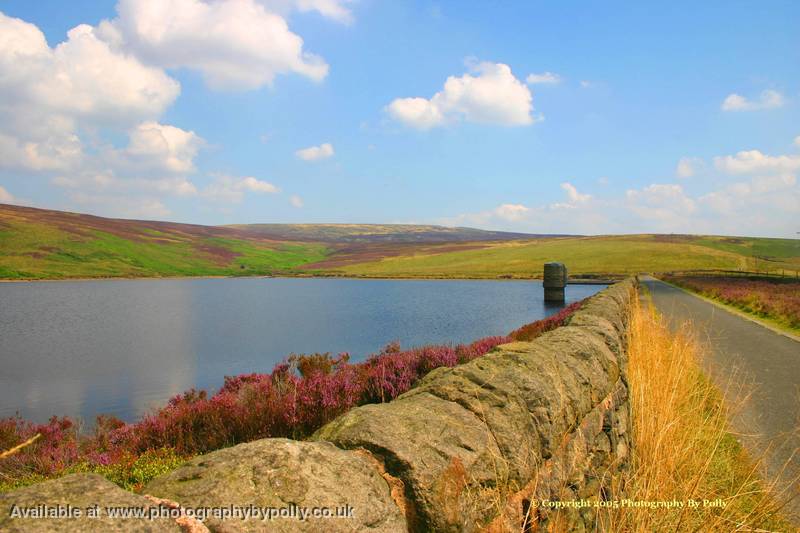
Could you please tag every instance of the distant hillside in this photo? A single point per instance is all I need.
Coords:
(378, 233)
(46, 244)
(619, 254)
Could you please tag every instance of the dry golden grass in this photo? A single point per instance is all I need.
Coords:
(682, 447)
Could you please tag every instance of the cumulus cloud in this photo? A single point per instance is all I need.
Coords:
(5, 196)
(753, 161)
(658, 194)
(797, 141)
(314, 153)
(236, 45)
(574, 196)
(158, 158)
(543, 78)
(63, 109)
(230, 189)
(764, 200)
(488, 94)
(170, 147)
(511, 212)
(50, 93)
(296, 201)
(572, 215)
(761, 198)
(687, 167)
(768, 99)
(333, 9)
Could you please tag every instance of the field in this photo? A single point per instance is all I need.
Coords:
(45, 244)
(582, 255)
(776, 300)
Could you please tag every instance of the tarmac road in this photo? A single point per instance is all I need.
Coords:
(768, 423)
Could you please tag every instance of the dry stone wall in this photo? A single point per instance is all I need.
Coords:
(470, 448)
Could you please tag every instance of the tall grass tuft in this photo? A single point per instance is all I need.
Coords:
(682, 447)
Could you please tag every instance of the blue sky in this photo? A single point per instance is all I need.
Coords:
(524, 116)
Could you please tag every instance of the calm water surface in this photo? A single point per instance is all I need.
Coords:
(124, 347)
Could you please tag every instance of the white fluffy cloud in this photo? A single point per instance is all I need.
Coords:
(766, 200)
(797, 141)
(49, 94)
(511, 212)
(234, 44)
(172, 148)
(314, 153)
(768, 99)
(231, 190)
(574, 196)
(751, 194)
(81, 78)
(753, 162)
(667, 206)
(63, 109)
(490, 94)
(157, 159)
(296, 201)
(544, 77)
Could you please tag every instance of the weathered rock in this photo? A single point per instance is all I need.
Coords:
(282, 473)
(430, 444)
(79, 491)
(470, 447)
(528, 411)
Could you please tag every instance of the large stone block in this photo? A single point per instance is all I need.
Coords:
(286, 474)
(80, 491)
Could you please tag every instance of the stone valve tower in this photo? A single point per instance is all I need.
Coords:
(555, 279)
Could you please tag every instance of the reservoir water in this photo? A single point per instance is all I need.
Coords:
(124, 347)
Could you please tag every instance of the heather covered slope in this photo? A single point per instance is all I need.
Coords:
(47, 244)
(379, 233)
(44, 244)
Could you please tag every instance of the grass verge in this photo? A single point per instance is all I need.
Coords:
(752, 307)
(683, 449)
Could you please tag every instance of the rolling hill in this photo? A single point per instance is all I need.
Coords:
(47, 244)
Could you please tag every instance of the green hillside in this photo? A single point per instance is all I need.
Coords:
(46, 244)
(590, 255)
(37, 244)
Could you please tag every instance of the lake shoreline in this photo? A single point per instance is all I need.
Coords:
(579, 281)
(121, 347)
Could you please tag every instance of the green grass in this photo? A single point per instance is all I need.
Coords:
(43, 244)
(760, 253)
(595, 255)
(131, 473)
(40, 251)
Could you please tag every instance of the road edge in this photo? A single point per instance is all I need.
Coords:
(734, 311)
